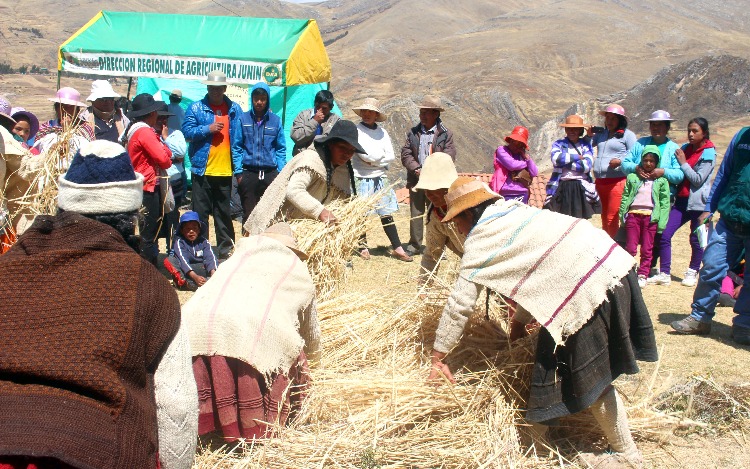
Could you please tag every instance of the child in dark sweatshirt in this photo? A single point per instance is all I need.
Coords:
(193, 261)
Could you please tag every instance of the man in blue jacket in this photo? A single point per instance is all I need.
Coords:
(212, 126)
(263, 149)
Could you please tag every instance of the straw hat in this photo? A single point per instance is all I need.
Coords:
(465, 193)
(282, 232)
(370, 104)
(68, 95)
(660, 116)
(574, 121)
(343, 130)
(101, 89)
(431, 102)
(519, 134)
(215, 78)
(438, 172)
(614, 109)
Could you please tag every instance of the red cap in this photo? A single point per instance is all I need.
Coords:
(519, 134)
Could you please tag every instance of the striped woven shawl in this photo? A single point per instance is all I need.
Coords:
(557, 267)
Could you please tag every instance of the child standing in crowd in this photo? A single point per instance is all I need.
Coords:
(514, 168)
(192, 252)
(570, 189)
(696, 160)
(646, 204)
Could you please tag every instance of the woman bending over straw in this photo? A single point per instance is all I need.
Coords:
(309, 180)
(585, 295)
(248, 356)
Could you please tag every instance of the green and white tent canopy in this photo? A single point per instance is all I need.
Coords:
(281, 52)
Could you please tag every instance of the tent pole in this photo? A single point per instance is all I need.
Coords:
(283, 111)
(58, 79)
(130, 83)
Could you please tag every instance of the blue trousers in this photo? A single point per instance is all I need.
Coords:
(725, 246)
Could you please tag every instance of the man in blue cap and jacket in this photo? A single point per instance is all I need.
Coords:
(263, 149)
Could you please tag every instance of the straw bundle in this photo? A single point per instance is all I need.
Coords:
(330, 247)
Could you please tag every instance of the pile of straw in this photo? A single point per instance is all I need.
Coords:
(331, 247)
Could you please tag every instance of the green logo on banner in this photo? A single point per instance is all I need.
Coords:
(271, 73)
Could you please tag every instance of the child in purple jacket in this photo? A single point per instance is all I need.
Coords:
(514, 168)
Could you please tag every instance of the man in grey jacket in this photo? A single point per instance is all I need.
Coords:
(313, 122)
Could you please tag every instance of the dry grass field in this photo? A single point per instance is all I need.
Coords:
(715, 438)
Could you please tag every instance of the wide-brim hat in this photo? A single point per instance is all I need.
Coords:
(574, 121)
(6, 113)
(519, 134)
(660, 116)
(215, 78)
(100, 180)
(432, 102)
(17, 112)
(101, 89)
(68, 95)
(370, 104)
(283, 233)
(438, 172)
(164, 111)
(465, 193)
(144, 104)
(614, 109)
(343, 130)
(176, 92)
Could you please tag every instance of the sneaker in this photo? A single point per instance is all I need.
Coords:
(726, 300)
(642, 281)
(691, 326)
(741, 335)
(660, 278)
(691, 278)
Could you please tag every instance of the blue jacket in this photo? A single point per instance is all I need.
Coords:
(195, 128)
(197, 252)
(668, 161)
(263, 144)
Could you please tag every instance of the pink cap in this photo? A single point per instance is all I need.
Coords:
(68, 95)
(614, 109)
(660, 116)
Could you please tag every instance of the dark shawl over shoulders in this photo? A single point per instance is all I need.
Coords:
(85, 323)
(570, 378)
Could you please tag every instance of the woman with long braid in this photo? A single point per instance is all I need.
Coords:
(310, 180)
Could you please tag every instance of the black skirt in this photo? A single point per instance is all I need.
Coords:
(570, 199)
(569, 378)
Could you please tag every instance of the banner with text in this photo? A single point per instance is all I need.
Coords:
(158, 66)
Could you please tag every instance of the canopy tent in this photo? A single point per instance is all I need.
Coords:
(287, 54)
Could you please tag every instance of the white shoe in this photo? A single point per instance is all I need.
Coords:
(691, 278)
(642, 282)
(660, 279)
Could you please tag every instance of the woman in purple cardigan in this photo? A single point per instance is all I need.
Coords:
(514, 168)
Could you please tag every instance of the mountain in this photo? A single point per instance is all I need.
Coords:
(494, 64)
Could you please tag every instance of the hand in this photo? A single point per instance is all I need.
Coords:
(440, 369)
(642, 174)
(164, 132)
(680, 155)
(418, 171)
(589, 131)
(703, 216)
(327, 217)
(216, 127)
(614, 163)
(517, 330)
(526, 156)
(239, 178)
(319, 117)
(656, 173)
(198, 279)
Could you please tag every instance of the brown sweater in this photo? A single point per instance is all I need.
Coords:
(84, 324)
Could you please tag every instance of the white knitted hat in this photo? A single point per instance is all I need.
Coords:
(100, 180)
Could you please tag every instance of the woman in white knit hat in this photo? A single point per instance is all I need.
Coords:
(585, 295)
(369, 171)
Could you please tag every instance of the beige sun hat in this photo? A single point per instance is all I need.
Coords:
(431, 102)
(574, 121)
(465, 193)
(438, 172)
(215, 78)
(283, 233)
(370, 104)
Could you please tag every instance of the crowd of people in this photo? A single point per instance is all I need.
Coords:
(97, 337)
